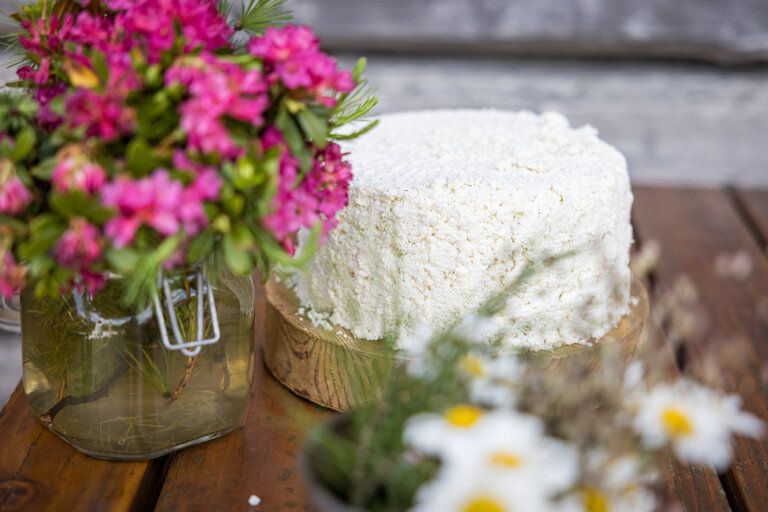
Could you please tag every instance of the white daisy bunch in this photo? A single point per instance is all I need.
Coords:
(493, 381)
(491, 461)
(697, 422)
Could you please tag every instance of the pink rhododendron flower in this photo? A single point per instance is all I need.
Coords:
(91, 281)
(218, 89)
(329, 178)
(43, 95)
(100, 33)
(46, 37)
(80, 245)
(159, 202)
(70, 174)
(11, 275)
(150, 201)
(14, 196)
(323, 192)
(104, 114)
(292, 55)
(191, 213)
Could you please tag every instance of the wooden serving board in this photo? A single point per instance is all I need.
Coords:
(333, 368)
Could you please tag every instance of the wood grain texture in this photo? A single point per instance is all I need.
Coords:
(694, 228)
(39, 471)
(714, 30)
(333, 368)
(329, 367)
(691, 488)
(259, 458)
(755, 205)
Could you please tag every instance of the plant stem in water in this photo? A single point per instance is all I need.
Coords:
(64, 401)
(172, 397)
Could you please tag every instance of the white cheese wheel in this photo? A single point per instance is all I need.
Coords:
(447, 207)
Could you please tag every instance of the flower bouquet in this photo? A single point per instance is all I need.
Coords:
(161, 149)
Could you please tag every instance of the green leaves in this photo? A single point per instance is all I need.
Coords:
(25, 143)
(124, 260)
(294, 138)
(78, 204)
(314, 122)
(47, 229)
(201, 246)
(140, 157)
(237, 244)
(157, 116)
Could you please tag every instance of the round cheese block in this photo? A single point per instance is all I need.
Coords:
(449, 209)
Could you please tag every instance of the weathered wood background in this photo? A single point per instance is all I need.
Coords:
(733, 31)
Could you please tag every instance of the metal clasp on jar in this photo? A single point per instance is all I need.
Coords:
(204, 289)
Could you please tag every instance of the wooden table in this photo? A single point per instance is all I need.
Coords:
(38, 471)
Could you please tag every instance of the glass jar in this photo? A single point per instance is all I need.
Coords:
(98, 374)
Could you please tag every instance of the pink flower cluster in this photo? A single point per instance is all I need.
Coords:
(202, 26)
(317, 198)
(159, 202)
(80, 245)
(72, 174)
(46, 39)
(218, 89)
(292, 55)
(105, 114)
(14, 195)
(11, 275)
(47, 118)
(149, 25)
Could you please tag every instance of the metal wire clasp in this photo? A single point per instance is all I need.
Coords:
(204, 288)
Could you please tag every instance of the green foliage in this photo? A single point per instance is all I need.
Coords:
(354, 106)
(257, 15)
(140, 157)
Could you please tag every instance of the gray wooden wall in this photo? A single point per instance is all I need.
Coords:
(679, 86)
(721, 30)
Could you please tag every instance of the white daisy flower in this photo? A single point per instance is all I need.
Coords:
(492, 380)
(698, 422)
(620, 485)
(635, 499)
(506, 443)
(474, 490)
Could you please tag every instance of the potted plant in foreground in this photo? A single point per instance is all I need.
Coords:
(467, 427)
(162, 150)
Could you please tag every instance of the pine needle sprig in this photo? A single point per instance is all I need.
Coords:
(257, 15)
(354, 106)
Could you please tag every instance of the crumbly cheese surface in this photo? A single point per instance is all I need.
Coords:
(448, 206)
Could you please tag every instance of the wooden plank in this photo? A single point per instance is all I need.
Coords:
(701, 29)
(755, 205)
(39, 471)
(689, 488)
(259, 458)
(694, 227)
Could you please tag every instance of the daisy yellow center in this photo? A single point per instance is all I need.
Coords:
(463, 415)
(473, 365)
(506, 460)
(594, 501)
(483, 505)
(676, 422)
